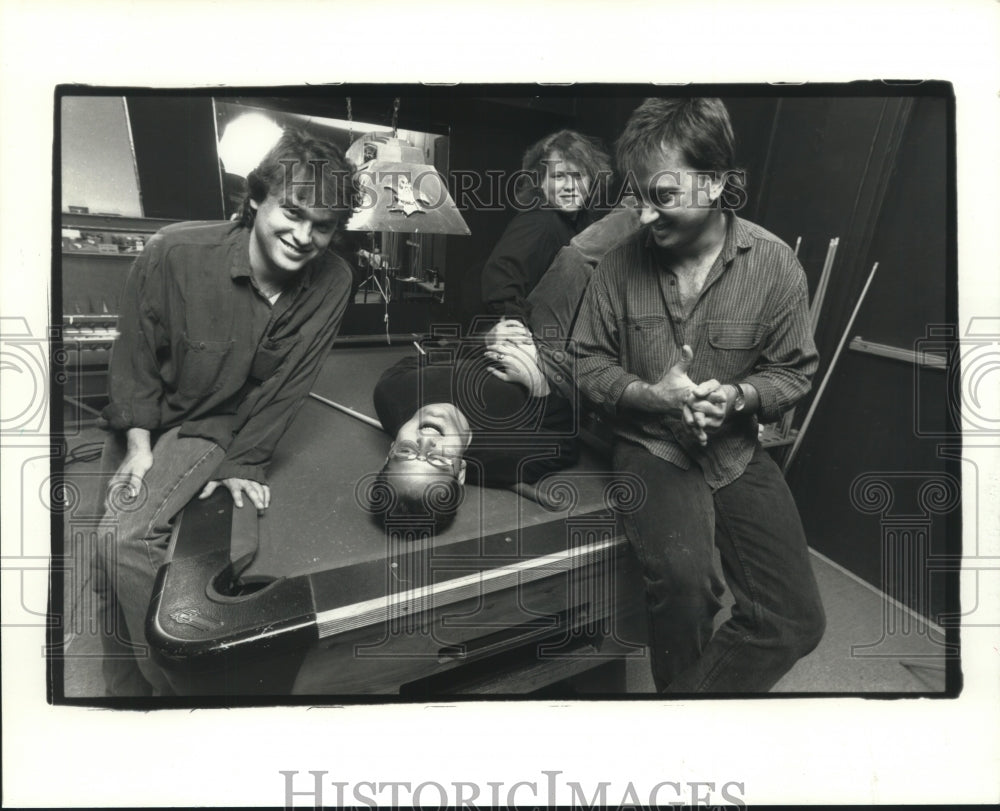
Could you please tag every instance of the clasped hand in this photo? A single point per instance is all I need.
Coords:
(702, 407)
(510, 346)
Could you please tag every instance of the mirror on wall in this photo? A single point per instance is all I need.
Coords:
(98, 173)
(399, 266)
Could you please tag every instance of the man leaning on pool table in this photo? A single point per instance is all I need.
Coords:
(222, 331)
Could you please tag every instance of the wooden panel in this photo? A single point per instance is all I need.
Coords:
(554, 616)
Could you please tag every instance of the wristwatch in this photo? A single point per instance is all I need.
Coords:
(741, 401)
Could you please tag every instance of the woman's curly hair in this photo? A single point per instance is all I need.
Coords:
(586, 153)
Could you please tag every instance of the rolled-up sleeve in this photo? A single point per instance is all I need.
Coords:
(788, 359)
(595, 345)
(134, 381)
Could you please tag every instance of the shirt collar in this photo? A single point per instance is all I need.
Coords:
(738, 237)
(239, 262)
(239, 254)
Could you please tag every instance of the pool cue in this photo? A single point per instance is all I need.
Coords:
(784, 426)
(349, 411)
(829, 372)
(824, 281)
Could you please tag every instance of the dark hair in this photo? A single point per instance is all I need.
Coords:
(295, 148)
(699, 128)
(393, 496)
(586, 152)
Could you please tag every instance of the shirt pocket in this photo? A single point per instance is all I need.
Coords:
(736, 347)
(648, 343)
(270, 354)
(201, 368)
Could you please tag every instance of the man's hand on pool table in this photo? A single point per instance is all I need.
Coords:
(259, 494)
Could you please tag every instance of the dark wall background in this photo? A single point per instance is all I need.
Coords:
(176, 156)
(867, 419)
(873, 171)
(870, 167)
(493, 134)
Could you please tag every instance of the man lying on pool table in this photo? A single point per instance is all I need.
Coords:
(486, 413)
(499, 411)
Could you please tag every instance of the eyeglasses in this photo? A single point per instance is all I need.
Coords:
(402, 450)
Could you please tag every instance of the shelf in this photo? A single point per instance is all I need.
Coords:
(107, 230)
(119, 255)
(109, 222)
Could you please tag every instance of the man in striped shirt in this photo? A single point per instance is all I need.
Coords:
(702, 295)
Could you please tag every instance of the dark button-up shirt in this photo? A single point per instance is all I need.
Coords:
(524, 252)
(750, 324)
(200, 347)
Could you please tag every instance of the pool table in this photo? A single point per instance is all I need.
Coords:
(524, 593)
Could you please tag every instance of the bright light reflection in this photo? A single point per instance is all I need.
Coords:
(245, 141)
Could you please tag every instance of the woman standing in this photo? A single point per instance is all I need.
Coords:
(560, 179)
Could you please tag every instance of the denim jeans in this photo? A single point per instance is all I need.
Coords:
(777, 617)
(134, 540)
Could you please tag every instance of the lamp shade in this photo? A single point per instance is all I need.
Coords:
(399, 192)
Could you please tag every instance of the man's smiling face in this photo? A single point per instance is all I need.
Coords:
(289, 233)
(677, 201)
(431, 442)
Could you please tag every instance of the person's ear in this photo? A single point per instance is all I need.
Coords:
(254, 204)
(716, 185)
(460, 478)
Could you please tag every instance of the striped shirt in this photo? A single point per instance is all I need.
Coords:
(749, 324)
